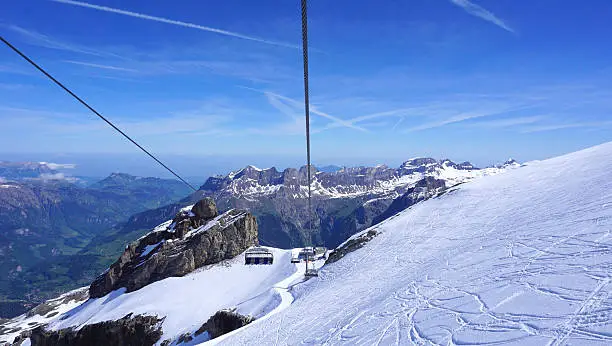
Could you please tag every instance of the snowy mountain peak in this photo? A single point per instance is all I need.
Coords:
(510, 162)
(251, 167)
(465, 165)
(418, 162)
(347, 182)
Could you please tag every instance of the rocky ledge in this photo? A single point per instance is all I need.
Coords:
(223, 322)
(128, 331)
(354, 243)
(194, 238)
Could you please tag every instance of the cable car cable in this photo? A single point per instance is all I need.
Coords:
(306, 101)
(307, 112)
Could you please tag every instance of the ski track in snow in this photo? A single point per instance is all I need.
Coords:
(523, 258)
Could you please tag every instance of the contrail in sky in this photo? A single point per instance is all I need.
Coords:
(177, 22)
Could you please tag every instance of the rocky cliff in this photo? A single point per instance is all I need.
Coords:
(127, 331)
(197, 236)
(422, 190)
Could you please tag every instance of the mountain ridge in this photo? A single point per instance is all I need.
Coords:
(45, 223)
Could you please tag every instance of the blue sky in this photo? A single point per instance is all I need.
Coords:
(478, 80)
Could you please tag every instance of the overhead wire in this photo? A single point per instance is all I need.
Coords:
(306, 101)
(80, 100)
(307, 113)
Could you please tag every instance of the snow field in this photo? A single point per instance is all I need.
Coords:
(523, 258)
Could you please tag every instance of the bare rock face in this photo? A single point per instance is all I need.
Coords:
(195, 238)
(425, 188)
(350, 246)
(223, 322)
(132, 331)
(205, 209)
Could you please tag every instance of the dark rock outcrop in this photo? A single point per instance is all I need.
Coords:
(424, 189)
(132, 331)
(223, 322)
(205, 209)
(350, 246)
(184, 338)
(195, 238)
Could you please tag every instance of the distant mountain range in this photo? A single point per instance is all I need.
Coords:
(56, 234)
(344, 201)
(46, 219)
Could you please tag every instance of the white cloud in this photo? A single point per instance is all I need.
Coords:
(501, 123)
(105, 67)
(275, 102)
(480, 12)
(200, 121)
(52, 176)
(55, 177)
(313, 110)
(399, 113)
(401, 119)
(45, 41)
(454, 119)
(59, 165)
(13, 86)
(553, 127)
(176, 22)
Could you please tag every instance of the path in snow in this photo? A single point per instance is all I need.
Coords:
(188, 302)
(283, 289)
(520, 258)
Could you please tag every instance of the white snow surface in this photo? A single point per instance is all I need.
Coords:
(521, 258)
(25, 322)
(187, 302)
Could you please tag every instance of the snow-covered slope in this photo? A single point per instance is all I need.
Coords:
(518, 258)
(185, 302)
(42, 314)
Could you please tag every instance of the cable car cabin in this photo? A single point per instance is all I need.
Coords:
(258, 255)
(305, 253)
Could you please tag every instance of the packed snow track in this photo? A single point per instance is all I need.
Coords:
(523, 258)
